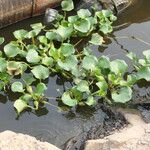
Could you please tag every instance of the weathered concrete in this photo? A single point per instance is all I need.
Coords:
(16, 141)
(12, 11)
(134, 137)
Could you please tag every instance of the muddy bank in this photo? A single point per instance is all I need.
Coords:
(135, 136)
(115, 121)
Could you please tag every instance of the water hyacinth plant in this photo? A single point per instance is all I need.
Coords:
(38, 53)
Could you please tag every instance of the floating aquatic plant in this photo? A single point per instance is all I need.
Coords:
(38, 53)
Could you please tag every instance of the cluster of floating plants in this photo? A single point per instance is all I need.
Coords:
(26, 62)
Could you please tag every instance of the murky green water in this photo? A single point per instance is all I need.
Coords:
(57, 128)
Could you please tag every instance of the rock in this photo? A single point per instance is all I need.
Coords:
(136, 136)
(15, 141)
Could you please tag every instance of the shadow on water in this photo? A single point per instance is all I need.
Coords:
(75, 126)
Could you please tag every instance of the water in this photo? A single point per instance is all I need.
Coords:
(58, 127)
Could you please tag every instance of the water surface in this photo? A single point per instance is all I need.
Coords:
(58, 127)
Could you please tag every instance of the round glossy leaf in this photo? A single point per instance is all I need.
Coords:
(17, 87)
(73, 19)
(89, 62)
(67, 49)
(42, 39)
(67, 100)
(20, 105)
(83, 86)
(106, 28)
(67, 5)
(65, 32)
(40, 72)
(41, 87)
(69, 63)
(103, 87)
(82, 26)
(84, 13)
(32, 56)
(26, 97)
(33, 33)
(20, 34)
(118, 66)
(96, 39)
(37, 26)
(11, 50)
(144, 73)
(47, 61)
(122, 95)
(90, 101)
(53, 36)
(28, 78)
(104, 62)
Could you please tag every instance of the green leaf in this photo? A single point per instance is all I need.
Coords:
(47, 61)
(67, 49)
(77, 94)
(17, 87)
(33, 33)
(73, 19)
(69, 63)
(26, 98)
(40, 72)
(67, 5)
(84, 13)
(53, 52)
(32, 56)
(41, 87)
(122, 95)
(20, 34)
(131, 80)
(67, 100)
(83, 86)
(106, 28)
(65, 32)
(90, 101)
(28, 78)
(104, 62)
(89, 62)
(11, 50)
(3, 65)
(5, 77)
(1, 40)
(37, 26)
(82, 25)
(118, 66)
(20, 105)
(87, 51)
(144, 73)
(53, 36)
(43, 39)
(147, 55)
(103, 87)
(96, 39)
(113, 18)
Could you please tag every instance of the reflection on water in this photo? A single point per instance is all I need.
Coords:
(56, 127)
